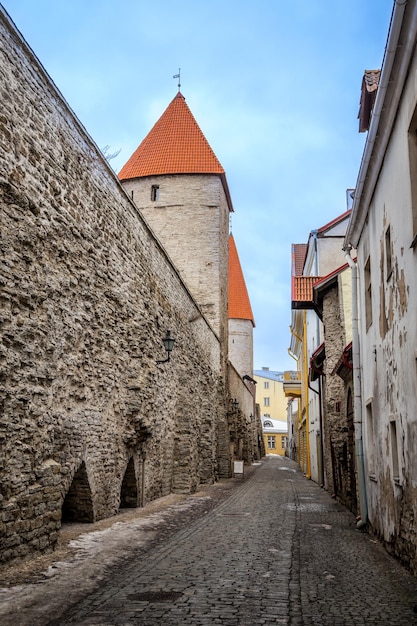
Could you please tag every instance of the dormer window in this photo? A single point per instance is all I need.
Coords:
(154, 193)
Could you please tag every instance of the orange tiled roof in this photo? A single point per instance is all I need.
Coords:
(239, 303)
(175, 145)
(299, 251)
(302, 291)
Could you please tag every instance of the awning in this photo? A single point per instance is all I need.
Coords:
(316, 363)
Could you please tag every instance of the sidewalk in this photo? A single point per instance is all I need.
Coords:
(273, 549)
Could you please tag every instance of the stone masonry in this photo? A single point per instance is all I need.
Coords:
(338, 412)
(88, 420)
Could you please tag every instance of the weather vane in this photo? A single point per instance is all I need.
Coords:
(179, 78)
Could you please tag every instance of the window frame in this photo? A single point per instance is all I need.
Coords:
(272, 442)
(154, 193)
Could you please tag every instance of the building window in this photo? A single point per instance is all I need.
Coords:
(271, 442)
(394, 450)
(267, 415)
(154, 193)
(283, 442)
(266, 402)
(368, 293)
(388, 252)
(370, 438)
(267, 424)
(266, 385)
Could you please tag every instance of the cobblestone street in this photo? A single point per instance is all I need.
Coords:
(277, 550)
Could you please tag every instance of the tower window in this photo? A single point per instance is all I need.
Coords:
(154, 193)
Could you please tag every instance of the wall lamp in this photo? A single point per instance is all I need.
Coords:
(168, 342)
(234, 405)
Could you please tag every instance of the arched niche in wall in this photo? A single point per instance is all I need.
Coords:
(129, 488)
(78, 503)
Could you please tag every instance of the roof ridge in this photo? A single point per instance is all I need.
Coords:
(174, 145)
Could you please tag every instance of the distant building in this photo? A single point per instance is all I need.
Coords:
(310, 262)
(270, 394)
(270, 398)
(275, 436)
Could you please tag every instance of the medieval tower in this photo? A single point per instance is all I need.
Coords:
(241, 320)
(177, 182)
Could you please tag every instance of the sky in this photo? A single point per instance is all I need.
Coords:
(274, 86)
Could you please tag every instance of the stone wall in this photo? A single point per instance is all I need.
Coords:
(87, 293)
(339, 456)
(191, 219)
(241, 345)
(244, 424)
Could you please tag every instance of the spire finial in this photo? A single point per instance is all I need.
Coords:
(179, 78)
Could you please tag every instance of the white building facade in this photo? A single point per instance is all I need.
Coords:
(383, 230)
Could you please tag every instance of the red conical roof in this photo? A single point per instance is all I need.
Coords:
(239, 303)
(175, 145)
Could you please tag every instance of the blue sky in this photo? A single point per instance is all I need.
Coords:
(274, 85)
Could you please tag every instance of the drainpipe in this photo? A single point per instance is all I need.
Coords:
(296, 358)
(303, 341)
(357, 396)
(320, 395)
(305, 373)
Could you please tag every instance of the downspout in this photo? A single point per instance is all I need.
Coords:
(298, 405)
(305, 372)
(303, 341)
(320, 395)
(299, 422)
(357, 396)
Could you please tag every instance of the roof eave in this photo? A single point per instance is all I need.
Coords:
(227, 192)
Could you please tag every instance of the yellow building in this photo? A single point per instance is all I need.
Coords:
(272, 402)
(270, 394)
(275, 434)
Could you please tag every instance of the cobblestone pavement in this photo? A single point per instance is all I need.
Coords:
(279, 550)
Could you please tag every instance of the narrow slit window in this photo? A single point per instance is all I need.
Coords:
(370, 438)
(368, 293)
(154, 193)
(412, 154)
(394, 450)
(388, 252)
